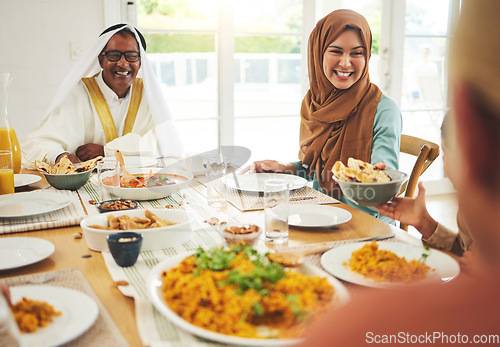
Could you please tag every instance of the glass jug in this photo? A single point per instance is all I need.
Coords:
(8, 137)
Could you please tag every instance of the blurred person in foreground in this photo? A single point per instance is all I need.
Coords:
(414, 212)
(466, 307)
(343, 114)
(102, 100)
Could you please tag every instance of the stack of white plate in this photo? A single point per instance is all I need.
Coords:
(152, 239)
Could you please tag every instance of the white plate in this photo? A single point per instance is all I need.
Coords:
(21, 180)
(32, 203)
(314, 216)
(446, 268)
(20, 251)
(79, 312)
(255, 182)
(154, 283)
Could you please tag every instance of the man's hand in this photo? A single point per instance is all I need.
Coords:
(89, 151)
(73, 158)
(411, 211)
(269, 166)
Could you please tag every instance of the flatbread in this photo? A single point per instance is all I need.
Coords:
(359, 171)
(65, 166)
(88, 165)
(43, 166)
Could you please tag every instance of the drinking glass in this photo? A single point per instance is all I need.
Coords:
(276, 205)
(216, 174)
(6, 173)
(109, 171)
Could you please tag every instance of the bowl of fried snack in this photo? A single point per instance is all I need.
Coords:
(65, 175)
(117, 205)
(365, 184)
(160, 228)
(241, 234)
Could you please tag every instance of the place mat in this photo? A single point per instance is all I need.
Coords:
(185, 198)
(252, 201)
(70, 215)
(104, 332)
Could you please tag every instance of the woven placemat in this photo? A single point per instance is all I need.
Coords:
(252, 201)
(104, 332)
(69, 215)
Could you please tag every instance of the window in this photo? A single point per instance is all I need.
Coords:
(233, 71)
(258, 43)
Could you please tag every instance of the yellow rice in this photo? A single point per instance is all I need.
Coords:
(386, 266)
(201, 301)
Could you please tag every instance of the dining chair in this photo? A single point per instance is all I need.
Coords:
(426, 152)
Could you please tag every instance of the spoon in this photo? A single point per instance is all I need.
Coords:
(294, 258)
(126, 176)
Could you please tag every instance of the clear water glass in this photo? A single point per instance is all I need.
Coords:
(276, 206)
(216, 174)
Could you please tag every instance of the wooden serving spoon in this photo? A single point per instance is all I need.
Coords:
(294, 258)
(126, 176)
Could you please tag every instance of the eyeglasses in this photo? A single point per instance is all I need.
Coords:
(114, 56)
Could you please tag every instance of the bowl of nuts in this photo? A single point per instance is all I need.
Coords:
(241, 234)
(117, 205)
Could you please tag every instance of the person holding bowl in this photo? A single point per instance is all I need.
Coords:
(343, 114)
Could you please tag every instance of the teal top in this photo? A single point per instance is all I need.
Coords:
(387, 127)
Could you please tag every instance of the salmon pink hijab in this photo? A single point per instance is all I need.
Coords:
(336, 124)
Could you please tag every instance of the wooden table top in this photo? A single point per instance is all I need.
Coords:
(73, 253)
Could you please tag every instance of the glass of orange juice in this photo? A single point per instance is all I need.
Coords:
(6, 173)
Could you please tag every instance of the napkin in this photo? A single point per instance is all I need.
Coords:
(133, 144)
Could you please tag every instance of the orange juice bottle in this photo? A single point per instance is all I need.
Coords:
(8, 137)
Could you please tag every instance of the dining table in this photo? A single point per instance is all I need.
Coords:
(73, 254)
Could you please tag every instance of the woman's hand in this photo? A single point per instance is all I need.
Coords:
(269, 166)
(411, 211)
(89, 151)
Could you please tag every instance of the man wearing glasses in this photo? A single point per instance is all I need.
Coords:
(102, 100)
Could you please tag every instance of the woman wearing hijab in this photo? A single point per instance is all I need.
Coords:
(343, 114)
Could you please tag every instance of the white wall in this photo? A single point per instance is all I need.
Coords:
(36, 38)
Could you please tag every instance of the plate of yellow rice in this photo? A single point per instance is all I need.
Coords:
(237, 296)
(385, 264)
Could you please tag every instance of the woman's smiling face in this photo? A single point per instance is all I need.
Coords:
(345, 59)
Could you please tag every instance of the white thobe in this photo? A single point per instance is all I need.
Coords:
(75, 122)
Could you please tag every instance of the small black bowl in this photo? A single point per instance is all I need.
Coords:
(103, 204)
(125, 247)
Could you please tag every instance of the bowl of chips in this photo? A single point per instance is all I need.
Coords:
(160, 228)
(65, 175)
(366, 185)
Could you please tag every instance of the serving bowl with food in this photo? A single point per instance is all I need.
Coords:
(65, 175)
(237, 296)
(147, 183)
(160, 228)
(365, 184)
(235, 235)
(117, 205)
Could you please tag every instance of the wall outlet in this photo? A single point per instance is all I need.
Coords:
(75, 49)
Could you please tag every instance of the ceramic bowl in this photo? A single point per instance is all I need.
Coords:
(153, 239)
(125, 247)
(116, 205)
(151, 193)
(372, 194)
(72, 181)
(235, 238)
